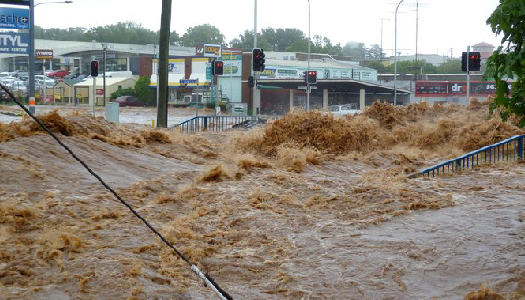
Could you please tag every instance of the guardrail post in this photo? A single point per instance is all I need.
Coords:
(520, 148)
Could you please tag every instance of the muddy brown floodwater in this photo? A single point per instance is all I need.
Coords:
(308, 207)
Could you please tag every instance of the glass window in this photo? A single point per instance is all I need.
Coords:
(116, 64)
(335, 108)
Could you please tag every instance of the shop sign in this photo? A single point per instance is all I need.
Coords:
(15, 43)
(212, 50)
(14, 18)
(43, 54)
(454, 88)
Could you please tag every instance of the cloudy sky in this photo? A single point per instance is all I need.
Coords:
(443, 24)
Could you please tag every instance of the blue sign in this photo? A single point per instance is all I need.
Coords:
(188, 81)
(14, 18)
(15, 43)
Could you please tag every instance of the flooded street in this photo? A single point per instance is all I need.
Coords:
(309, 207)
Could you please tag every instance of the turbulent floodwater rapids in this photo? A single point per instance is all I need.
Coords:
(308, 207)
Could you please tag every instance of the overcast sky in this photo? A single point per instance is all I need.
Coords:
(443, 24)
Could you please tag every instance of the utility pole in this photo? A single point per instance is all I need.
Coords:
(395, 56)
(164, 44)
(31, 56)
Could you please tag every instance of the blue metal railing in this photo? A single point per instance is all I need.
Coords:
(508, 150)
(212, 123)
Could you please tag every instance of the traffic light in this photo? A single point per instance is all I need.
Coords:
(218, 68)
(312, 77)
(94, 68)
(251, 83)
(258, 59)
(473, 59)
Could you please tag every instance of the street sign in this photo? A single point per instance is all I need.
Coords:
(43, 54)
(15, 2)
(14, 18)
(208, 72)
(188, 81)
(16, 43)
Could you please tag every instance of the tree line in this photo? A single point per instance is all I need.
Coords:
(270, 39)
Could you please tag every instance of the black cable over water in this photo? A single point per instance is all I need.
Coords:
(208, 280)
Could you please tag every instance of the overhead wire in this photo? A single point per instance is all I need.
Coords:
(206, 278)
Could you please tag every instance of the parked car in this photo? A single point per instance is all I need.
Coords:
(130, 101)
(57, 74)
(343, 110)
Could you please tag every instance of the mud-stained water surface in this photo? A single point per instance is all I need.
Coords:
(308, 207)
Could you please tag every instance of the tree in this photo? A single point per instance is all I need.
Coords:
(413, 67)
(374, 64)
(508, 61)
(373, 52)
(205, 33)
(356, 51)
(452, 66)
(143, 91)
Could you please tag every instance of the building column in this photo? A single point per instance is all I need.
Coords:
(128, 64)
(362, 100)
(291, 100)
(325, 98)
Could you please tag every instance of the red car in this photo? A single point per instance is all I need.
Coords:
(58, 74)
(129, 101)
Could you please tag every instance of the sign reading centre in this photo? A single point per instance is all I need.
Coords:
(15, 43)
(43, 54)
(14, 18)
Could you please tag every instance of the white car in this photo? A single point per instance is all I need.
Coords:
(344, 110)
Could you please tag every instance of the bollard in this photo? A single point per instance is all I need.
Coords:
(153, 123)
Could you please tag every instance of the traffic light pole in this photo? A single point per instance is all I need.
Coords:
(308, 71)
(468, 75)
(254, 92)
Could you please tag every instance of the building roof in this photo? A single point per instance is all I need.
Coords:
(483, 45)
(315, 64)
(100, 81)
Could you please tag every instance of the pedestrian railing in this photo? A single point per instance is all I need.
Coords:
(508, 150)
(212, 123)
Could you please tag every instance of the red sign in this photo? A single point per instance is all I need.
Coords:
(100, 92)
(454, 88)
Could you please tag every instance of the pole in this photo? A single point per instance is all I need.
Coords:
(164, 43)
(94, 93)
(308, 69)
(197, 100)
(45, 83)
(254, 89)
(104, 83)
(395, 56)
(468, 75)
(31, 56)
(156, 70)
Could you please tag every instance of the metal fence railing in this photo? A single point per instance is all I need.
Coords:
(508, 150)
(213, 123)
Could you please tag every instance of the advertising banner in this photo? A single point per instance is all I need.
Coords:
(43, 54)
(212, 50)
(454, 88)
(14, 18)
(14, 43)
(15, 2)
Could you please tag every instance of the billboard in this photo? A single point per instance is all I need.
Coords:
(14, 43)
(454, 88)
(15, 2)
(14, 18)
(43, 54)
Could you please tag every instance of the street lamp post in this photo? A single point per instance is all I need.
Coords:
(308, 68)
(31, 91)
(395, 56)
